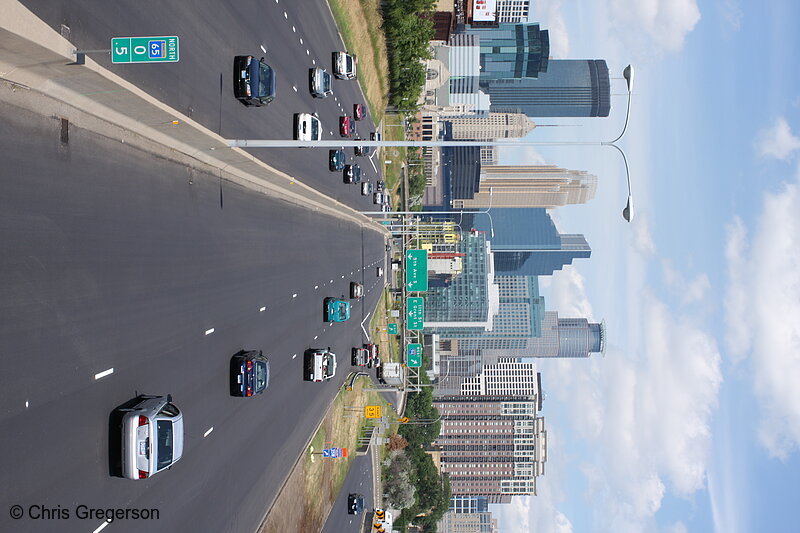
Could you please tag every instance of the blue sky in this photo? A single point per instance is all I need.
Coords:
(691, 422)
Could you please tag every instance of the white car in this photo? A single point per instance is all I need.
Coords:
(344, 65)
(307, 127)
(152, 436)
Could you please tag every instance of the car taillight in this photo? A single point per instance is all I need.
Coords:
(143, 421)
(249, 391)
(143, 474)
(249, 365)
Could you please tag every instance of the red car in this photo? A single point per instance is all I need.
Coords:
(358, 111)
(347, 126)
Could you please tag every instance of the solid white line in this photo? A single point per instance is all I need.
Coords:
(207, 433)
(263, 49)
(104, 373)
(262, 309)
(209, 331)
(102, 527)
(362, 327)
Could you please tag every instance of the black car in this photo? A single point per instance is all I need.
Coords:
(355, 503)
(380, 186)
(336, 160)
(352, 174)
(249, 373)
(253, 81)
(363, 150)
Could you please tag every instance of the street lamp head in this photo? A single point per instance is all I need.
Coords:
(627, 213)
(627, 73)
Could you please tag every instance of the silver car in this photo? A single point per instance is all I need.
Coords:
(152, 436)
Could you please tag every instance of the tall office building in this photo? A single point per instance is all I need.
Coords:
(559, 338)
(569, 88)
(489, 155)
(490, 127)
(470, 298)
(513, 10)
(510, 51)
(545, 186)
(494, 446)
(467, 523)
(526, 241)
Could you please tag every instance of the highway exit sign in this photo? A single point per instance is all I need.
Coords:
(415, 313)
(144, 49)
(417, 270)
(392, 328)
(414, 355)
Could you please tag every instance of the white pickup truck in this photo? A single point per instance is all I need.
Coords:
(344, 65)
(319, 364)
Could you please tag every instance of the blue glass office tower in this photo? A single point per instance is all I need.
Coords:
(511, 51)
(526, 242)
(569, 88)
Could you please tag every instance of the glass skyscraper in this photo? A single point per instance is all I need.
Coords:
(511, 51)
(526, 242)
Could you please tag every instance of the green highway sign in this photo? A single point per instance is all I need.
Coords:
(144, 49)
(417, 270)
(393, 329)
(414, 355)
(415, 313)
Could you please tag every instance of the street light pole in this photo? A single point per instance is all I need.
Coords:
(627, 212)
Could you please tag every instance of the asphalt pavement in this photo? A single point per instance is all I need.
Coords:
(297, 35)
(128, 274)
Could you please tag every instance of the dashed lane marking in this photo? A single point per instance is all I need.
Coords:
(103, 374)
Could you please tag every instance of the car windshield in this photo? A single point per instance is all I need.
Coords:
(349, 61)
(326, 82)
(164, 437)
(314, 129)
(343, 310)
(262, 375)
(327, 365)
(264, 80)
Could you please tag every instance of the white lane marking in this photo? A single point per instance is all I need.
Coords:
(263, 49)
(209, 331)
(102, 527)
(104, 373)
(307, 52)
(316, 287)
(294, 295)
(342, 276)
(295, 355)
(295, 88)
(294, 30)
(208, 432)
(351, 273)
(331, 281)
(362, 327)
(26, 404)
(315, 337)
(285, 15)
(301, 40)
(262, 309)
(313, 61)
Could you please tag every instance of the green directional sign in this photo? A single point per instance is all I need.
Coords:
(417, 270)
(144, 49)
(415, 317)
(393, 329)
(414, 355)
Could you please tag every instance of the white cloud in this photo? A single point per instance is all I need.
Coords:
(677, 527)
(642, 238)
(522, 155)
(766, 286)
(665, 23)
(732, 14)
(549, 14)
(738, 337)
(690, 291)
(645, 417)
(568, 294)
(777, 141)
